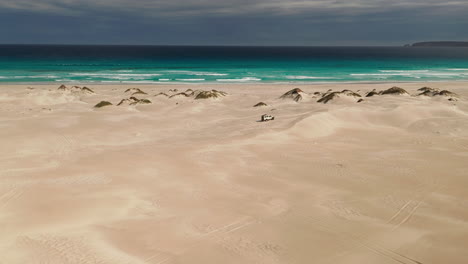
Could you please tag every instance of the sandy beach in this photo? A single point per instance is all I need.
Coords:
(185, 180)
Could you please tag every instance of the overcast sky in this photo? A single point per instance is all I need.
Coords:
(232, 22)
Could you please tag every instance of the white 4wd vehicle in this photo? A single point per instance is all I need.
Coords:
(267, 118)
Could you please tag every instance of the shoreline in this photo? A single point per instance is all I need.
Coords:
(159, 84)
(227, 83)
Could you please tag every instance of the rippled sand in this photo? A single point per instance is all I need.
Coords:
(201, 181)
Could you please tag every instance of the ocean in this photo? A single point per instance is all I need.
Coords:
(214, 64)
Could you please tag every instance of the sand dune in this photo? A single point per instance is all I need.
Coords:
(201, 181)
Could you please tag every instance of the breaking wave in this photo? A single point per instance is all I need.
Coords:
(190, 80)
(245, 79)
(308, 78)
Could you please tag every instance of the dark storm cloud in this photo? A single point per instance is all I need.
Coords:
(250, 22)
(221, 8)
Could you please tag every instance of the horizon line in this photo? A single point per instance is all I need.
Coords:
(194, 45)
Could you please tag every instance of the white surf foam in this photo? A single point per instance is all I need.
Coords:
(442, 74)
(307, 77)
(131, 82)
(405, 71)
(379, 74)
(245, 79)
(117, 74)
(210, 74)
(198, 73)
(36, 77)
(412, 74)
(190, 80)
(125, 77)
(143, 82)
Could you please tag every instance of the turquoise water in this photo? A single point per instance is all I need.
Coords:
(147, 64)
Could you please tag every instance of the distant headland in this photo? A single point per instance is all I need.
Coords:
(439, 44)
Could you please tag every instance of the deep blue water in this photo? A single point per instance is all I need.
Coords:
(163, 64)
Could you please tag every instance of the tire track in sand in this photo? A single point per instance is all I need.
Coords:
(225, 229)
(360, 241)
(10, 196)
